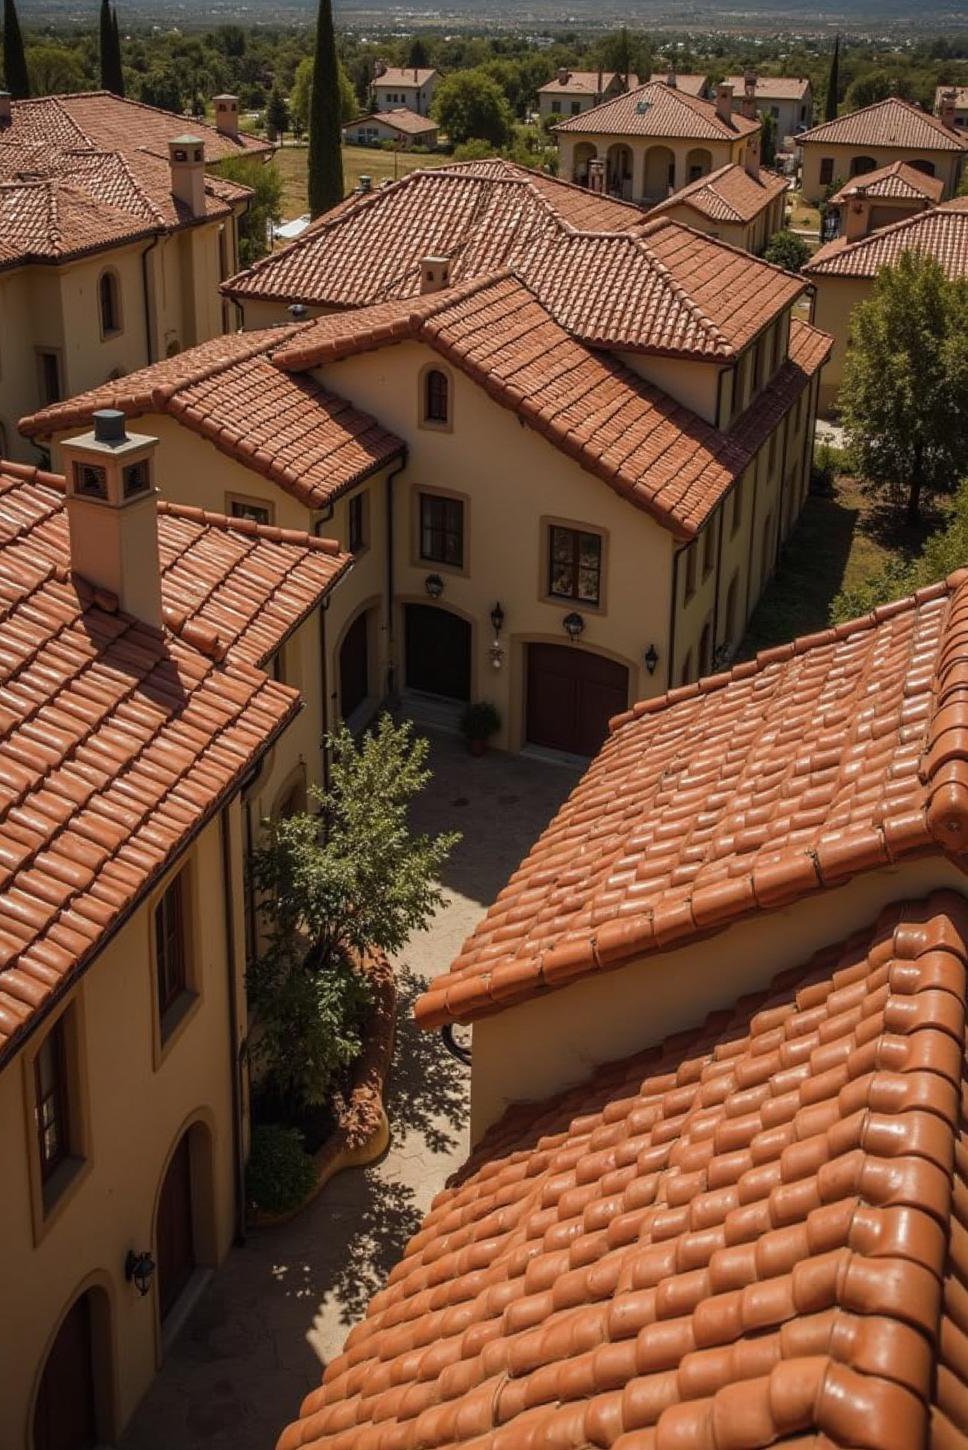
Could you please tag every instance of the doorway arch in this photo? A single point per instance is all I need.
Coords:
(618, 171)
(699, 162)
(184, 1235)
(861, 165)
(73, 1401)
(354, 665)
(585, 152)
(660, 172)
(437, 651)
(570, 696)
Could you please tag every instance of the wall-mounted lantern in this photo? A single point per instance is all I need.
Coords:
(651, 658)
(496, 650)
(573, 625)
(497, 619)
(138, 1269)
(434, 585)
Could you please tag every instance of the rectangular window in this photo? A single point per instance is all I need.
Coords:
(690, 572)
(556, 108)
(826, 170)
(356, 530)
(256, 513)
(738, 505)
(50, 383)
(576, 108)
(51, 1103)
(575, 564)
(171, 950)
(442, 530)
(708, 549)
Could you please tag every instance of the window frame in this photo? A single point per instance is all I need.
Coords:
(240, 506)
(357, 522)
(826, 172)
(43, 356)
(110, 276)
(578, 533)
(173, 1011)
(53, 1187)
(439, 499)
(424, 417)
(58, 1096)
(689, 575)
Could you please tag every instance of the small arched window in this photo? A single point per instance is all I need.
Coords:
(926, 167)
(109, 303)
(436, 396)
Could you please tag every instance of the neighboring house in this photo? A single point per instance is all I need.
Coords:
(651, 458)
(731, 204)
(405, 128)
(412, 88)
(142, 719)
(653, 141)
(717, 1184)
(867, 140)
(843, 273)
(574, 91)
(114, 237)
(953, 101)
(880, 198)
(787, 99)
(690, 85)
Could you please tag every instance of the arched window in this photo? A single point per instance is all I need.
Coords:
(861, 165)
(109, 303)
(926, 167)
(436, 396)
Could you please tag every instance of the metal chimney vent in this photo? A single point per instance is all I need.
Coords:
(109, 426)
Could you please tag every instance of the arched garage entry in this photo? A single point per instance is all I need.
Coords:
(438, 651)
(70, 1411)
(571, 695)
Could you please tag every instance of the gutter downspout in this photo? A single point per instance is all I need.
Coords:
(145, 289)
(719, 576)
(672, 613)
(390, 582)
(236, 1045)
(753, 523)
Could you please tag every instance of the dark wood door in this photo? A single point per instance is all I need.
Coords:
(354, 668)
(571, 696)
(176, 1237)
(65, 1417)
(438, 646)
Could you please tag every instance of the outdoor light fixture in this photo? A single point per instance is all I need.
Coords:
(651, 659)
(497, 619)
(496, 650)
(434, 585)
(574, 624)
(138, 1269)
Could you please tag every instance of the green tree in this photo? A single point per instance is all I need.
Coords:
(299, 96)
(417, 57)
(277, 114)
(111, 77)
(470, 105)
(353, 880)
(15, 70)
(833, 84)
(165, 86)
(54, 70)
(625, 54)
(265, 206)
(767, 138)
(116, 39)
(904, 396)
(786, 249)
(325, 153)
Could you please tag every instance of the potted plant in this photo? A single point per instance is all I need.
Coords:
(478, 723)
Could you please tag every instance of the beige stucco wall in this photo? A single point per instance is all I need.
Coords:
(534, 1049)
(575, 148)
(136, 1106)
(388, 96)
(749, 236)
(947, 164)
(835, 299)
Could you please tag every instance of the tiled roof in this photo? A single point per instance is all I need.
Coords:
(941, 233)
(692, 85)
(773, 88)
(826, 757)
(105, 122)
(585, 258)
(892, 122)
(403, 76)
(897, 181)
(727, 195)
(750, 1235)
(400, 119)
(583, 82)
(294, 432)
(118, 743)
(657, 109)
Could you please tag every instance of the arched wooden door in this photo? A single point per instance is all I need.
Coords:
(175, 1230)
(65, 1416)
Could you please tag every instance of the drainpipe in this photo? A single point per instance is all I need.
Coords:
(672, 614)
(236, 1046)
(146, 291)
(391, 667)
(719, 575)
(753, 523)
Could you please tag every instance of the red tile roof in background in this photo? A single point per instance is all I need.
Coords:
(773, 88)
(583, 82)
(749, 1235)
(119, 741)
(394, 75)
(941, 232)
(659, 110)
(891, 122)
(399, 119)
(729, 194)
(896, 180)
(835, 754)
(289, 429)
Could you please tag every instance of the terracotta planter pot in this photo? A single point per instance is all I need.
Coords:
(477, 747)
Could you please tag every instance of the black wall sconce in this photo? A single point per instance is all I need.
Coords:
(497, 618)
(434, 585)
(573, 624)
(651, 658)
(138, 1269)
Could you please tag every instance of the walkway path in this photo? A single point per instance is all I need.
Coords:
(285, 1300)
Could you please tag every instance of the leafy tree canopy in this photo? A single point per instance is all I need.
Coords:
(470, 105)
(786, 249)
(265, 207)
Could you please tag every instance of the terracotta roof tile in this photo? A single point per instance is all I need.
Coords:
(692, 85)
(394, 75)
(657, 109)
(120, 741)
(895, 181)
(583, 82)
(727, 195)
(826, 757)
(294, 432)
(399, 119)
(773, 88)
(941, 232)
(750, 1235)
(891, 122)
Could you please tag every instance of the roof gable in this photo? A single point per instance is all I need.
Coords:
(729, 194)
(898, 180)
(891, 122)
(657, 109)
(941, 232)
(774, 88)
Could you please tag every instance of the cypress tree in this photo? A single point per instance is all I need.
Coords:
(111, 77)
(325, 155)
(833, 84)
(116, 38)
(14, 59)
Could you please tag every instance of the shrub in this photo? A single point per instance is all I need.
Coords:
(480, 721)
(279, 1173)
(786, 249)
(828, 463)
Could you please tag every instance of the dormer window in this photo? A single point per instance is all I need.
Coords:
(90, 481)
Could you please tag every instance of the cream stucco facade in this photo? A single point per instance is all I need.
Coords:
(645, 169)
(823, 163)
(132, 1097)
(750, 236)
(834, 301)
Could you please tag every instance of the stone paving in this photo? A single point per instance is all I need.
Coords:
(281, 1305)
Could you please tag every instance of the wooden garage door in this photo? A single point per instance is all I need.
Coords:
(571, 695)
(438, 657)
(65, 1417)
(176, 1237)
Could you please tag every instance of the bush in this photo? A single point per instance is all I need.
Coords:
(480, 721)
(279, 1173)
(828, 464)
(786, 249)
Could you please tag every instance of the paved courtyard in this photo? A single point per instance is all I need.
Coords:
(281, 1305)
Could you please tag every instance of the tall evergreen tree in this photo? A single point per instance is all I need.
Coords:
(833, 84)
(14, 59)
(117, 52)
(111, 77)
(417, 56)
(325, 155)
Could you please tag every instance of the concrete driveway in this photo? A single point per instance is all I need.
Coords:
(281, 1305)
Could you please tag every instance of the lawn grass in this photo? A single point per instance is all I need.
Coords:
(839, 543)
(290, 162)
(803, 217)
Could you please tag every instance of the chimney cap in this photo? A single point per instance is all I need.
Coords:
(226, 96)
(109, 426)
(186, 139)
(298, 311)
(366, 183)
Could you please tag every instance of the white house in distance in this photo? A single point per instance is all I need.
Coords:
(574, 91)
(410, 86)
(404, 128)
(787, 99)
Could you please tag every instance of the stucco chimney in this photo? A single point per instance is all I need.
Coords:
(112, 514)
(596, 174)
(857, 217)
(751, 156)
(947, 109)
(748, 105)
(564, 75)
(434, 274)
(379, 69)
(671, 80)
(6, 108)
(187, 157)
(227, 115)
(724, 101)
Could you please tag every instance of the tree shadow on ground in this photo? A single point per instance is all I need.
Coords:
(428, 1090)
(377, 1228)
(883, 521)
